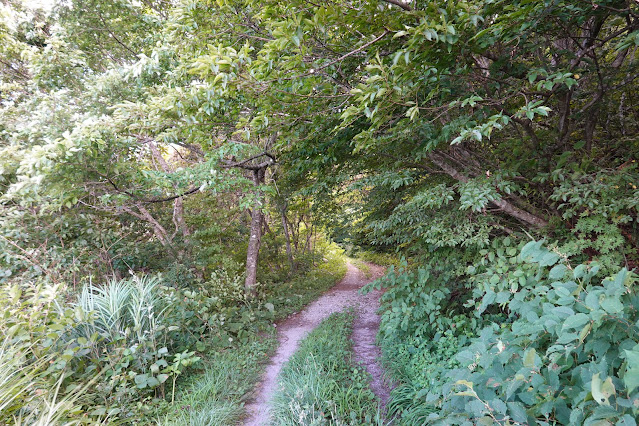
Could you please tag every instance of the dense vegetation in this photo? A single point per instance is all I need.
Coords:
(171, 174)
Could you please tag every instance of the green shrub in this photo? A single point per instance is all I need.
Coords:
(555, 344)
(127, 326)
(215, 314)
(569, 356)
(89, 360)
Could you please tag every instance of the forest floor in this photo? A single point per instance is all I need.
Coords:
(343, 295)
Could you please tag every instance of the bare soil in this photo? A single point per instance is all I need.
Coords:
(290, 331)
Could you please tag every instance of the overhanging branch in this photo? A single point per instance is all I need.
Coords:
(504, 205)
(400, 3)
(244, 164)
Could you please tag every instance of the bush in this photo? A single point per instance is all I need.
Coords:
(569, 356)
(129, 332)
(54, 352)
(555, 344)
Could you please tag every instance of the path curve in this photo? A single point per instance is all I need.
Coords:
(290, 331)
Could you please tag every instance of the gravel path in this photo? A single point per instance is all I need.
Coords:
(290, 331)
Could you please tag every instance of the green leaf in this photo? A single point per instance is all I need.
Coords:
(580, 271)
(602, 391)
(584, 332)
(466, 383)
(576, 321)
(517, 412)
(548, 259)
(152, 382)
(557, 272)
(529, 358)
(631, 376)
(141, 380)
(626, 420)
(611, 305)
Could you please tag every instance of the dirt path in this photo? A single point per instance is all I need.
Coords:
(292, 330)
(365, 329)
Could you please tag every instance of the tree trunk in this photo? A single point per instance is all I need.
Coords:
(178, 205)
(146, 215)
(504, 205)
(255, 238)
(178, 218)
(289, 251)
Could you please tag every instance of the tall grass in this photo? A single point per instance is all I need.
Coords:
(210, 401)
(16, 382)
(129, 309)
(216, 397)
(26, 398)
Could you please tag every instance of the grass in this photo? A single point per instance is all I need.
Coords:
(321, 383)
(418, 365)
(291, 296)
(382, 259)
(362, 266)
(217, 395)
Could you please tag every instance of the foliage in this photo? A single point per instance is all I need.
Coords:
(36, 358)
(430, 130)
(320, 384)
(383, 259)
(418, 365)
(573, 339)
(561, 351)
(136, 337)
(127, 325)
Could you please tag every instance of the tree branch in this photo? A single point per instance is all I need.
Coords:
(341, 58)
(504, 205)
(244, 163)
(399, 3)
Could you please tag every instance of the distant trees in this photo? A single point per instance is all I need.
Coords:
(451, 122)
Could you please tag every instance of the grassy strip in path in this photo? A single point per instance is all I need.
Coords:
(363, 267)
(321, 384)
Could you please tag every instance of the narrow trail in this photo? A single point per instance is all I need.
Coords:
(343, 295)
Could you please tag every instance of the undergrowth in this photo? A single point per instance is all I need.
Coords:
(518, 335)
(382, 259)
(216, 394)
(322, 385)
(215, 397)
